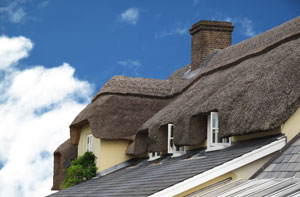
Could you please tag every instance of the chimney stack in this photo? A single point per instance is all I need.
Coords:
(207, 36)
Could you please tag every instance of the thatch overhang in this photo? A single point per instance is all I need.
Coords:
(121, 107)
(63, 155)
(254, 85)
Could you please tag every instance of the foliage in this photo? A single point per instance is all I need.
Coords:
(81, 169)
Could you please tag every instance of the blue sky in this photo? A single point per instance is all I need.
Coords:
(93, 38)
(55, 54)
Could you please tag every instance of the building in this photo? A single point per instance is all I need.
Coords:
(217, 120)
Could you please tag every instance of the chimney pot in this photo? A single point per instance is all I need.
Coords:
(208, 36)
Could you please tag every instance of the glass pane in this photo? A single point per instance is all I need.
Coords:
(172, 131)
(215, 120)
(171, 143)
(213, 136)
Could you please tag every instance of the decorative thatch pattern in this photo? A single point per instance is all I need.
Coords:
(254, 86)
(62, 156)
(138, 86)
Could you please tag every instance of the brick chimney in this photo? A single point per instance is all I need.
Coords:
(207, 36)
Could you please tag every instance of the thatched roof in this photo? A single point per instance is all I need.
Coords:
(122, 105)
(62, 155)
(254, 85)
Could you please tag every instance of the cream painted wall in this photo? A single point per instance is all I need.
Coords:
(113, 152)
(108, 152)
(85, 131)
(248, 170)
(292, 126)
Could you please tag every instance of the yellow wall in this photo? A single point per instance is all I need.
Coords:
(108, 152)
(208, 183)
(292, 126)
(113, 152)
(85, 131)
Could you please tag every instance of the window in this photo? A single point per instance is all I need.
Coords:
(89, 143)
(153, 156)
(213, 140)
(172, 148)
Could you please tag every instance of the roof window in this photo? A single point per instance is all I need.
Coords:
(173, 149)
(213, 140)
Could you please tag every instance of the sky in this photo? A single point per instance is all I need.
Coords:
(56, 54)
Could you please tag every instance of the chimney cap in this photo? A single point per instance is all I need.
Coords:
(211, 25)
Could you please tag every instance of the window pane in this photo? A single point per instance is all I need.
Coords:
(215, 120)
(213, 136)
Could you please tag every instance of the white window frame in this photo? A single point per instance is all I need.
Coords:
(176, 151)
(153, 156)
(213, 134)
(89, 143)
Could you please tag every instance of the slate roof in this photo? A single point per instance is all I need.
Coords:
(147, 178)
(287, 164)
(257, 187)
(280, 176)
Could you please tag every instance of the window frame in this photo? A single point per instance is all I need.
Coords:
(176, 151)
(213, 142)
(89, 143)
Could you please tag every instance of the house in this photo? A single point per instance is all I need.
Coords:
(217, 120)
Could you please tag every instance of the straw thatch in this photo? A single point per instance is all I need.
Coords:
(62, 157)
(254, 86)
(122, 105)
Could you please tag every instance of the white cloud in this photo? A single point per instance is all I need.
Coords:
(13, 49)
(242, 24)
(176, 30)
(36, 107)
(131, 66)
(130, 15)
(14, 11)
(247, 27)
(195, 2)
(43, 4)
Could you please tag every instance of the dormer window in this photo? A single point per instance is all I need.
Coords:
(89, 143)
(153, 156)
(176, 151)
(213, 140)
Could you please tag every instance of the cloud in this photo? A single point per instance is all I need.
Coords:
(36, 107)
(14, 11)
(131, 66)
(176, 30)
(195, 2)
(43, 4)
(244, 25)
(13, 49)
(130, 15)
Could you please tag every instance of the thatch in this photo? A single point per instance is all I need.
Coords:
(121, 106)
(62, 156)
(138, 86)
(254, 86)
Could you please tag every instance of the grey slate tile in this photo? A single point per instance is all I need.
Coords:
(287, 158)
(282, 174)
(294, 158)
(296, 150)
(270, 167)
(146, 178)
(297, 175)
(297, 167)
(289, 174)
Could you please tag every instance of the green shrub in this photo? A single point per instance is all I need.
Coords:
(81, 169)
